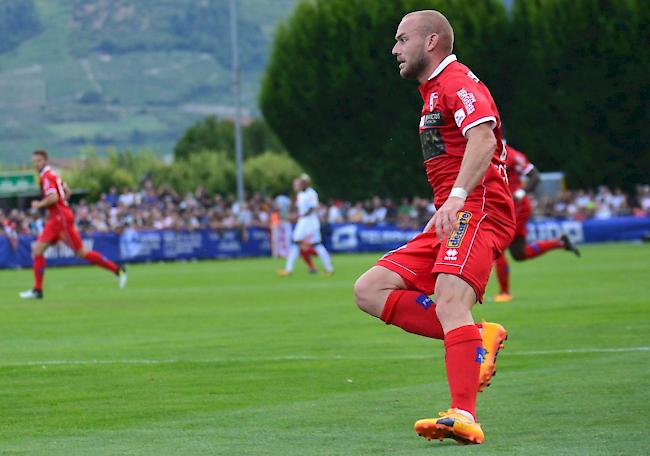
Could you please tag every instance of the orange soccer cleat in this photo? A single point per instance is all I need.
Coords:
(493, 335)
(283, 273)
(452, 424)
(503, 297)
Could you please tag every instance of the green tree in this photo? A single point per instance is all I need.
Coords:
(215, 170)
(271, 173)
(212, 133)
(580, 99)
(333, 95)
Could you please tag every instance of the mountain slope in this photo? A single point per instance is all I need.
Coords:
(129, 73)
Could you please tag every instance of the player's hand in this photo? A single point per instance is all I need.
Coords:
(444, 220)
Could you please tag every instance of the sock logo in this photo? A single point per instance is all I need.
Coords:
(480, 355)
(424, 301)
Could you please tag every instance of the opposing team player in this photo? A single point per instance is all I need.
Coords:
(59, 227)
(519, 168)
(306, 234)
(453, 256)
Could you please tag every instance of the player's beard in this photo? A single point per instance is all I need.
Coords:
(415, 68)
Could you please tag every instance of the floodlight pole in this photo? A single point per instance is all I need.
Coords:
(236, 75)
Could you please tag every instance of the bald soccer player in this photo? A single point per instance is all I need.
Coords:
(474, 222)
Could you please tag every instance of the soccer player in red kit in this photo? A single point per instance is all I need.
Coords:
(474, 222)
(59, 227)
(518, 168)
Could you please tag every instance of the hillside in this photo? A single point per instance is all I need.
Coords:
(128, 73)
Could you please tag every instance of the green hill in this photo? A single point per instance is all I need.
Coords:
(124, 73)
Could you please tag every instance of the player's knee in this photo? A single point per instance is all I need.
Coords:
(366, 296)
(445, 308)
(454, 299)
(37, 249)
(81, 253)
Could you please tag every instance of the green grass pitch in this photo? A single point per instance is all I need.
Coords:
(223, 357)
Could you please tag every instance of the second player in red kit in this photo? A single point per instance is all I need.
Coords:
(59, 227)
(519, 170)
(474, 222)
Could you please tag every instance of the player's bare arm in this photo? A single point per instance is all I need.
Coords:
(48, 201)
(66, 192)
(481, 144)
(533, 180)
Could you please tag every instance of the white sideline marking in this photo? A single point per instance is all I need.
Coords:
(63, 362)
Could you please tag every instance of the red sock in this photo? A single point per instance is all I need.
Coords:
(537, 248)
(463, 358)
(306, 255)
(503, 274)
(39, 272)
(100, 260)
(414, 312)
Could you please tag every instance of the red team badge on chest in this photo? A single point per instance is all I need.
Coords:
(433, 99)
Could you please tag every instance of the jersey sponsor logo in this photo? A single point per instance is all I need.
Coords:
(456, 238)
(459, 116)
(471, 74)
(424, 301)
(433, 119)
(468, 100)
(432, 143)
(433, 99)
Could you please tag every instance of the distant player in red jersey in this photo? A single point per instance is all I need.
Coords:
(518, 168)
(474, 222)
(59, 227)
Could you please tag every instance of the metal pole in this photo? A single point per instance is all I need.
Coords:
(236, 74)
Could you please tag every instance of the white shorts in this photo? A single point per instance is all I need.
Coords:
(308, 230)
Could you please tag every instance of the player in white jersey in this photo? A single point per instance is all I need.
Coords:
(306, 234)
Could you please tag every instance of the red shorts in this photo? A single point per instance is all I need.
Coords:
(468, 253)
(523, 211)
(61, 228)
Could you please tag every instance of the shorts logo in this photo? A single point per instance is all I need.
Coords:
(424, 301)
(456, 238)
(451, 255)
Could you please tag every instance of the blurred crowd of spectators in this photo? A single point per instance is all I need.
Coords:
(163, 208)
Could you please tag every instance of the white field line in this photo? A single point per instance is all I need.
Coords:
(64, 362)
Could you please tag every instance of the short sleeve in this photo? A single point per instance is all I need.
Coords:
(470, 102)
(48, 185)
(522, 165)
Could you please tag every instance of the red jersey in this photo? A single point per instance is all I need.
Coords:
(455, 100)
(51, 183)
(517, 166)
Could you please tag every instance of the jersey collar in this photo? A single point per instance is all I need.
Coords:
(45, 170)
(450, 58)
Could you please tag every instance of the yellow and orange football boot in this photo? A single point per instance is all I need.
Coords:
(493, 335)
(283, 273)
(503, 297)
(451, 425)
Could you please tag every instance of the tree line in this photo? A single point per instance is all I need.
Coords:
(570, 78)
